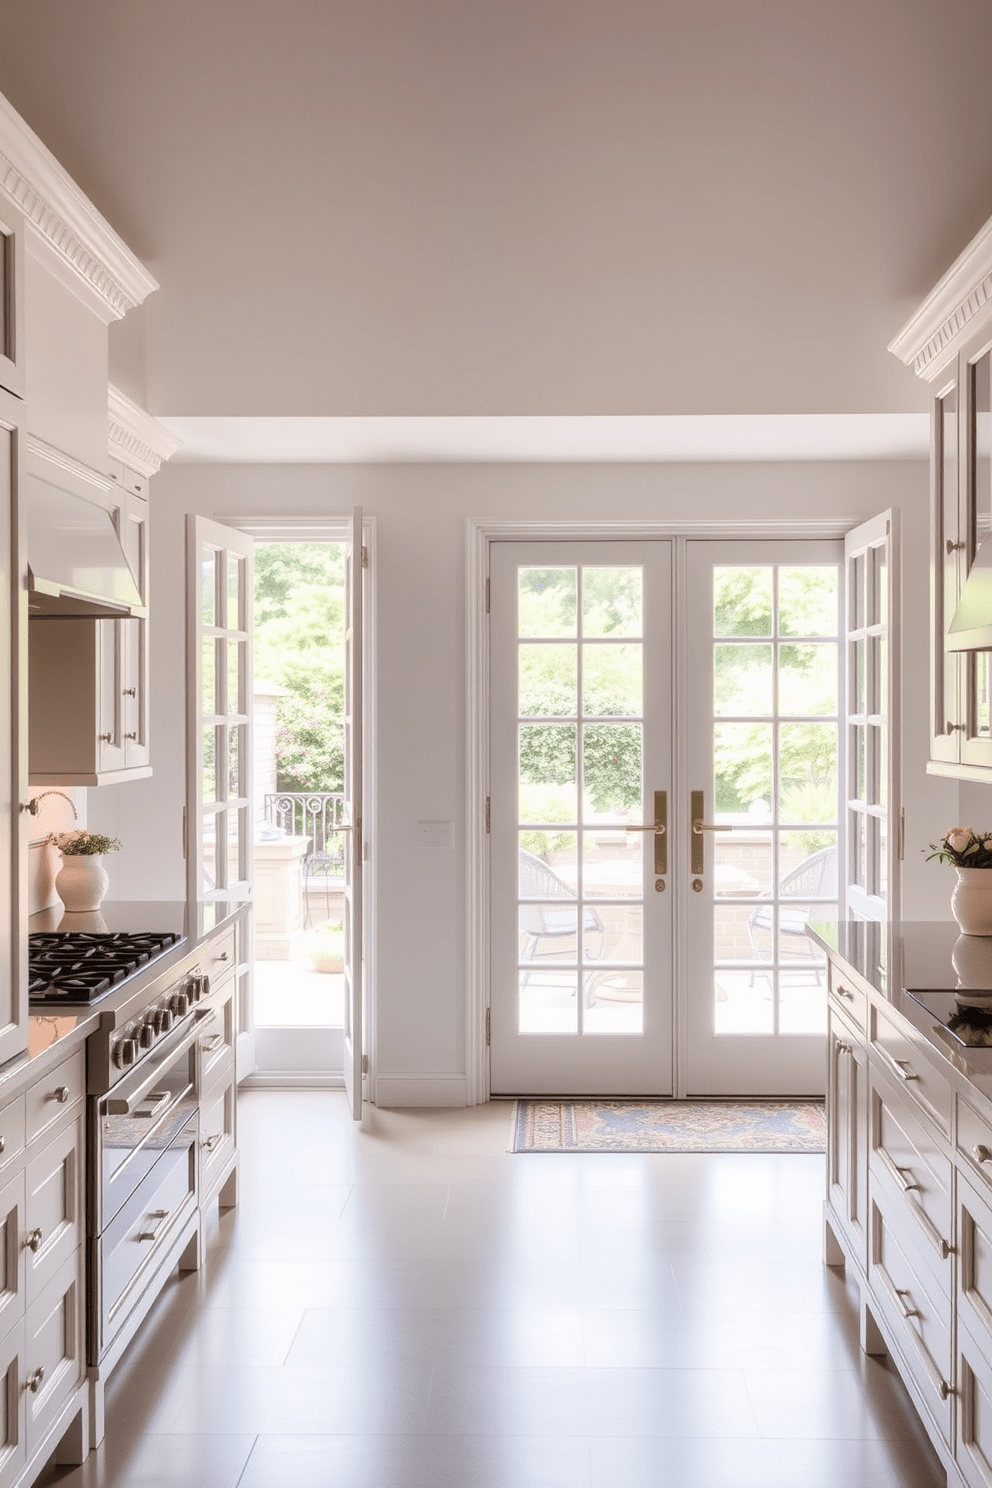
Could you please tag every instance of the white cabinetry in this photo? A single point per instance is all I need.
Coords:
(948, 342)
(42, 1275)
(921, 1256)
(89, 678)
(11, 299)
(13, 743)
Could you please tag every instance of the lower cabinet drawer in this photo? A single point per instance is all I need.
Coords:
(918, 1313)
(128, 1252)
(903, 1061)
(908, 1161)
(54, 1348)
(47, 1102)
(217, 1038)
(218, 1137)
(973, 1449)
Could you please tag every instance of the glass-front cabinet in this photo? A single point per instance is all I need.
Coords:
(948, 342)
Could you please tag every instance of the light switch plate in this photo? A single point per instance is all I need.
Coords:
(435, 833)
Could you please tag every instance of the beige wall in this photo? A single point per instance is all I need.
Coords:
(420, 513)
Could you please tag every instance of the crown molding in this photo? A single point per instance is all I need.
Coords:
(66, 221)
(134, 437)
(957, 307)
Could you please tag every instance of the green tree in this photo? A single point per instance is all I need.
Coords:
(299, 629)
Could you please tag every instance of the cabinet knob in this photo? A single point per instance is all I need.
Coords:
(33, 1380)
(981, 1153)
(130, 692)
(32, 1241)
(953, 547)
(953, 728)
(106, 738)
(61, 1094)
(130, 736)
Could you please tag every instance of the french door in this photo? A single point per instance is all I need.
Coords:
(581, 751)
(660, 833)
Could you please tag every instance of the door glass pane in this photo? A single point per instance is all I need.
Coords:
(612, 864)
(742, 863)
(612, 601)
(983, 714)
(235, 592)
(807, 865)
(742, 768)
(807, 679)
(617, 935)
(234, 755)
(742, 601)
(235, 655)
(209, 839)
(208, 612)
(210, 763)
(612, 680)
(548, 681)
(982, 444)
(546, 602)
(742, 681)
(548, 787)
(209, 675)
(547, 1001)
(856, 598)
(742, 1000)
(807, 761)
(611, 760)
(807, 600)
(614, 1002)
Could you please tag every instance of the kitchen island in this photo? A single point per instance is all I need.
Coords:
(908, 1209)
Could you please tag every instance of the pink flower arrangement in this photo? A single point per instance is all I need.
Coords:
(964, 847)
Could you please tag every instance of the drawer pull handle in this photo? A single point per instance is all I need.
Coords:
(906, 1184)
(904, 1070)
(843, 1048)
(208, 1045)
(33, 1381)
(32, 1241)
(214, 1140)
(60, 1094)
(161, 1215)
(3, 1144)
(843, 992)
(905, 1302)
(223, 956)
(981, 1153)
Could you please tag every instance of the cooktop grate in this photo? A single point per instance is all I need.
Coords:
(73, 966)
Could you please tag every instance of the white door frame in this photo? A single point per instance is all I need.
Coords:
(318, 528)
(478, 538)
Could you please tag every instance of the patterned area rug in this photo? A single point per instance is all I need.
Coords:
(669, 1126)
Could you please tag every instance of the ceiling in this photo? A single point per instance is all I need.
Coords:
(485, 229)
(287, 441)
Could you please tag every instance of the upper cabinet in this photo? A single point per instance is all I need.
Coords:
(11, 299)
(948, 342)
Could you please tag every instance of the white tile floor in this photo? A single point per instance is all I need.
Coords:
(410, 1306)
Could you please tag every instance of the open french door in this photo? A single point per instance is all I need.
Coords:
(219, 816)
(354, 851)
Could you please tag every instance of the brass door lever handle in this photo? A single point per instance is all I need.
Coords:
(699, 827)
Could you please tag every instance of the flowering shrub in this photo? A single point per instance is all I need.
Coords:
(83, 844)
(964, 847)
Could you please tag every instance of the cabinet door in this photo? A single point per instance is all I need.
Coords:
(13, 745)
(976, 736)
(948, 569)
(847, 1154)
(11, 299)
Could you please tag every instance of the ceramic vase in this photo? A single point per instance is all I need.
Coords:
(971, 901)
(82, 882)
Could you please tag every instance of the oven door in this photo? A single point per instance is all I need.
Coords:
(147, 1119)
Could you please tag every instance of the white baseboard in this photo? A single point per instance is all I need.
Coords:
(291, 1080)
(420, 1090)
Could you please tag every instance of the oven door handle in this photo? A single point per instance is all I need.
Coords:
(126, 1105)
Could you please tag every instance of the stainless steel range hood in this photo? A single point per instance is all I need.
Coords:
(76, 565)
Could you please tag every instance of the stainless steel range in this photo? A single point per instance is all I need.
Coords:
(143, 1078)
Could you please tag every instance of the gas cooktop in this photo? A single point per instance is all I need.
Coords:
(74, 966)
